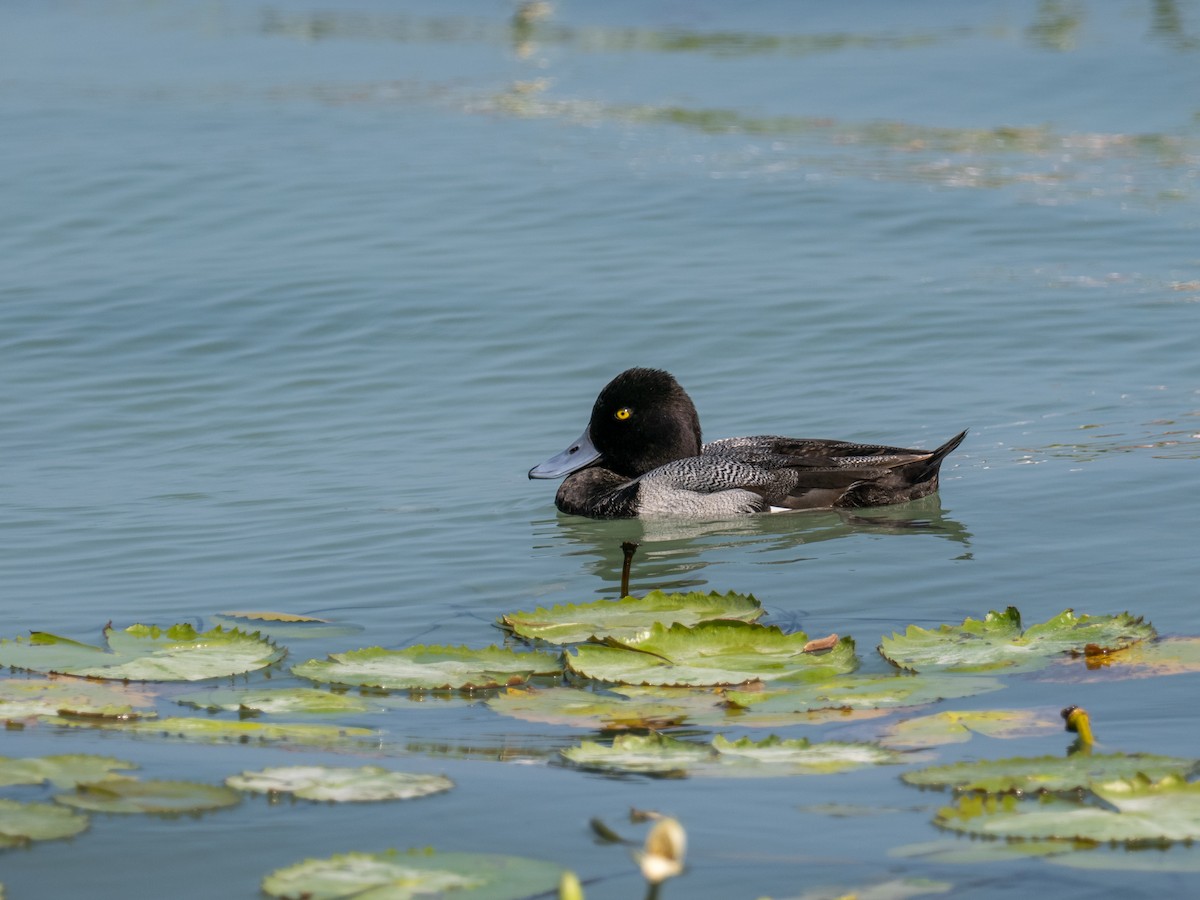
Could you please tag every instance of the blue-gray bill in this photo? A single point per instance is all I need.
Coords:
(581, 453)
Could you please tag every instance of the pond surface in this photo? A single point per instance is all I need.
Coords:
(293, 295)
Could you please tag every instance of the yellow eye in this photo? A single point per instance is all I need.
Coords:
(624, 413)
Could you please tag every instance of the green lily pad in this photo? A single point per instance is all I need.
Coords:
(975, 852)
(1140, 811)
(1049, 773)
(286, 626)
(21, 698)
(162, 797)
(275, 701)
(324, 737)
(712, 653)
(60, 771)
(630, 618)
(21, 823)
(659, 754)
(340, 784)
(1178, 858)
(610, 712)
(430, 668)
(957, 726)
(998, 643)
(864, 692)
(399, 876)
(145, 653)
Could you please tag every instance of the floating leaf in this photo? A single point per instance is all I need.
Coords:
(610, 712)
(340, 784)
(630, 618)
(272, 617)
(893, 889)
(864, 692)
(1171, 859)
(997, 642)
(975, 852)
(1049, 773)
(21, 823)
(164, 797)
(429, 667)
(275, 701)
(1142, 812)
(21, 698)
(145, 653)
(325, 737)
(771, 757)
(397, 876)
(956, 727)
(1149, 659)
(712, 653)
(60, 771)
(284, 626)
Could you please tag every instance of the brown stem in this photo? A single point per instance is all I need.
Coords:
(628, 548)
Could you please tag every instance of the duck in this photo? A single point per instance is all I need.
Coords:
(641, 456)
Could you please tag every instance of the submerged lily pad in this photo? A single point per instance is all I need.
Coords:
(164, 797)
(1149, 659)
(998, 643)
(771, 757)
(893, 889)
(340, 784)
(712, 653)
(630, 618)
(430, 667)
(1139, 811)
(275, 700)
(325, 737)
(864, 692)
(145, 653)
(21, 698)
(1049, 773)
(398, 876)
(589, 709)
(957, 726)
(60, 771)
(21, 823)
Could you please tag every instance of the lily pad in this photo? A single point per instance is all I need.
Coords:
(430, 667)
(21, 823)
(957, 726)
(145, 653)
(771, 757)
(399, 876)
(275, 701)
(286, 626)
(998, 642)
(610, 712)
(162, 797)
(864, 692)
(630, 618)
(60, 771)
(712, 653)
(974, 852)
(340, 784)
(1049, 773)
(893, 889)
(1149, 659)
(256, 616)
(1139, 811)
(21, 698)
(325, 737)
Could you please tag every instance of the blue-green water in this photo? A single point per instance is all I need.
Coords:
(293, 295)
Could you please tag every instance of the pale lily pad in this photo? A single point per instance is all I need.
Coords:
(430, 667)
(21, 698)
(893, 889)
(145, 653)
(256, 616)
(771, 757)
(589, 709)
(275, 701)
(286, 626)
(1141, 812)
(324, 737)
(630, 618)
(864, 692)
(340, 784)
(975, 852)
(998, 643)
(1180, 858)
(399, 876)
(21, 823)
(1149, 659)
(1049, 773)
(60, 771)
(162, 797)
(957, 726)
(712, 653)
